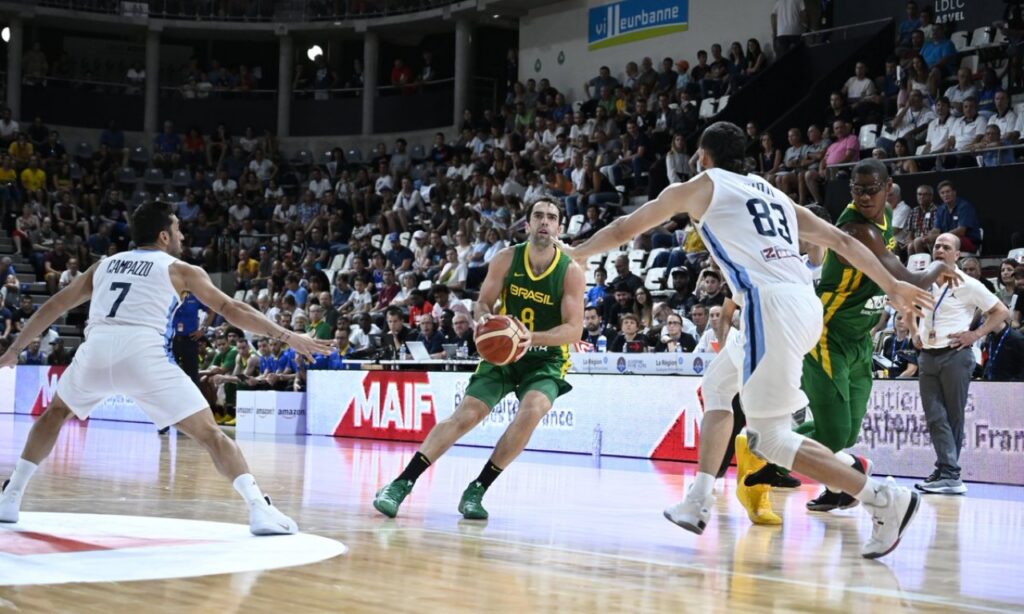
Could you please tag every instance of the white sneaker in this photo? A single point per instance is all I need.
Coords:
(10, 503)
(268, 520)
(690, 513)
(890, 519)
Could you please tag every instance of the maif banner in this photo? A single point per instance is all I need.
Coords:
(636, 416)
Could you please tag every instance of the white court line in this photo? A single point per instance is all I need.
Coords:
(862, 590)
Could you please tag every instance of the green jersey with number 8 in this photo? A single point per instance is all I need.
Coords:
(536, 300)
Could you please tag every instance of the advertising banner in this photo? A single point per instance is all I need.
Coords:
(644, 417)
(7, 386)
(270, 412)
(35, 387)
(633, 20)
(895, 433)
(640, 364)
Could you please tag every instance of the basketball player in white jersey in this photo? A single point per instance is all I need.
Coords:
(752, 230)
(127, 351)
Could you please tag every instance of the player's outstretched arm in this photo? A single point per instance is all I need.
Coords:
(673, 200)
(73, 295)
(904, 296)
(572, 312)
(238, 313)
(937, 271)
(490, 289)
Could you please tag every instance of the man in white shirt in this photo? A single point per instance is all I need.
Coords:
(788, 19)
(562, 154)
(9, 128)
(940, 131)
(913, 117)
(947, 363)
(581, 126)
(1005, 118)
(963, 90)
(318, 184)
(860, 88)
(969, 129)
(264, 168)
(360, 337)
(385, 182)
(69, 274)
(224, 186)
(900, 216)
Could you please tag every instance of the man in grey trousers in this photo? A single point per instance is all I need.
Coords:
(947, 362)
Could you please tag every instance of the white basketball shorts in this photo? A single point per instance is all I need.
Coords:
(779, 325)
(723, 379)
(131, 361)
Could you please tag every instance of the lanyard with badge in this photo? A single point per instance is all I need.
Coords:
(993, 353)
(931, 333)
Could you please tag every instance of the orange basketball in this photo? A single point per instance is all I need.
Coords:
(498, 341)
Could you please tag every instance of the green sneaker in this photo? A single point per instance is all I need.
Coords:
(471, 506)
(391, 496)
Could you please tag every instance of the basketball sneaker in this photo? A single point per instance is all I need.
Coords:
(890, 518)
(829, 500)
(774, 476)
(943, 486)
(10, 503)
(268, 520)
(390, 497)
(691, 513)
(471, 505)
(755, 499)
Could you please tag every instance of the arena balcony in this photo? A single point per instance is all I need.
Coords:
(158, 36)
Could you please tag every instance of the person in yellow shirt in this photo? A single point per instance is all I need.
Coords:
(8, 182)
(33, 180)
(248, 269)
(21, 150)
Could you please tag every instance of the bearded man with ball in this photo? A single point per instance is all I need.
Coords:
(525, 350)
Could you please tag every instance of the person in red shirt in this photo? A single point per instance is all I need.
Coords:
(418, 305)
(401, 75)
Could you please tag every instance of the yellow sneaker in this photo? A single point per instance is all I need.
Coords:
(755, 499)
(229, 421)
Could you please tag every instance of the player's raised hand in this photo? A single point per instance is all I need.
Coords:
(307, 346)
(571, 253)
(948, 275)
(910, 299)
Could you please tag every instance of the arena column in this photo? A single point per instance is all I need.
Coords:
(371, 53)
(150, 117)
(285, 51)
(463, 56)
(15, 48)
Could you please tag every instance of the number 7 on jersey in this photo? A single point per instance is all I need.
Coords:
(118, 286)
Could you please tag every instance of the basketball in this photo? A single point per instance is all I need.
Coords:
(498, 341)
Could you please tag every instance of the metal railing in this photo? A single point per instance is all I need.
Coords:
(942, 154)
(820, 37)
(248, 10)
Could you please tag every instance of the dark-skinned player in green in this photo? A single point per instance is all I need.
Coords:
(542, 289)
(837, 375)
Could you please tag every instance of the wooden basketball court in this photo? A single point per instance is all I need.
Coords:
(566, 533)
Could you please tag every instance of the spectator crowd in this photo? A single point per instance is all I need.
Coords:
(375, 249)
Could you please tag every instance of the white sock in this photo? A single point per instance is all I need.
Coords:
(23, 472)
(246, 486)
(869, 494)
(846, 458)
(702, 486)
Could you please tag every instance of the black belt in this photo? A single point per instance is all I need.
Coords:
(948, 348)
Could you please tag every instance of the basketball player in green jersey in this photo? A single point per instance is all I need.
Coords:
(837, 375)
(542, 289)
